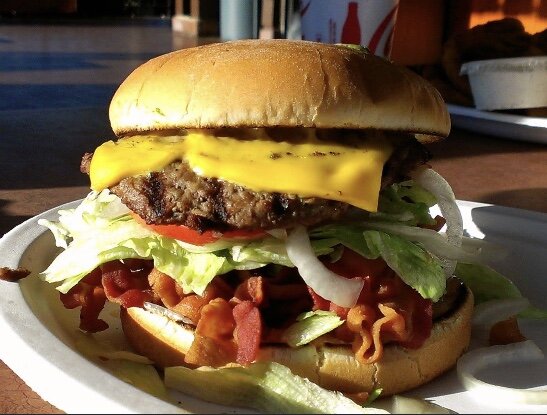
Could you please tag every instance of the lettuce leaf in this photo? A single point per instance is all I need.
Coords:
(416, 267)
(309, 326)
(263, 386)
(405, 202)
(488, 284)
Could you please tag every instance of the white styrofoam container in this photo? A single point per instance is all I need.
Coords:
(508, 83)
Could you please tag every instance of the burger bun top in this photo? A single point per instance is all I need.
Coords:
(277, 83)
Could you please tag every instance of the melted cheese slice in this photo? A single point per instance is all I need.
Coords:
(310, 168)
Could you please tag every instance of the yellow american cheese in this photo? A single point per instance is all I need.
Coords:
(308, 168)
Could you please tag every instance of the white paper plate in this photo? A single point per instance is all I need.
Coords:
(516, 127)
(37, 336)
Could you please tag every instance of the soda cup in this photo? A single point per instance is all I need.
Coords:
(363, 22)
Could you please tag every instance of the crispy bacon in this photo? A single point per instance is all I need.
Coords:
(173, 297)
(506, 332)
(89, 295)
(120, 282)
(387, 309)
(391, 327)
(213, 344)
(252, 289)
(13, 274)
(248, 331)
(126, 283)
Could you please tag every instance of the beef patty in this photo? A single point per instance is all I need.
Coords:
(177, 195)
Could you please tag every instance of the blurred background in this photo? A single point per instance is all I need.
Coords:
(62, 60)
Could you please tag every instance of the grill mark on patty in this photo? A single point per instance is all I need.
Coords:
(220, 213)
(280, 204)
(154, 191)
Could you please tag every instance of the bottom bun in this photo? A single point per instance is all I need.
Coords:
(333, 367)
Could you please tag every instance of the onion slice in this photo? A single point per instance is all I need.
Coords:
(170, 314)
(329, 285)
(432, 181)
(493, 311)
(472, 362)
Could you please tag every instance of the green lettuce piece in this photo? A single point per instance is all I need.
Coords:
(272, 251)
(263, 386)
(192, 271)
(132, 368)
(309, 326)
(142, 376)
(416, 267)
(488, 284)
(405, 202)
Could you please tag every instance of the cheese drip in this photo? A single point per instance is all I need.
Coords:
(311, 168)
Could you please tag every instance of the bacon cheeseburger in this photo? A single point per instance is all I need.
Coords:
(270, 201)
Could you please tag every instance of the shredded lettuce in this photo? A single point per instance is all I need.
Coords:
(100, 230)
(263, 386)
(407, 203)
(132, 368)
(272, 250)
(488, 284)
(309, 326)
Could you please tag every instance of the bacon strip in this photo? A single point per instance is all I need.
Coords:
(252, 290)
(239, 311)
(506, 332)
(13, 275)
(213, 344)
(89, 295)
(387, 311)
(120, 282)
(124, 285)
(248, 331)
(173, 297)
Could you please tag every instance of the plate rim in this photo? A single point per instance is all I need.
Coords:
(517, 127)
(524, 120)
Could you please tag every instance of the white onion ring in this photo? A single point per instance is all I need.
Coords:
(486, 314)
(431, 240)
(329, 285)
(472, 362)
(493, 311)
(432, 181)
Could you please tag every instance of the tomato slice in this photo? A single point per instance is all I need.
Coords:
(191, 236)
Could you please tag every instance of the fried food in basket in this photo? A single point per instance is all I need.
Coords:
(497, 39)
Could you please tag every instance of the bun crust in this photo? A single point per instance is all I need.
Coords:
(332, 367)
(277, 83)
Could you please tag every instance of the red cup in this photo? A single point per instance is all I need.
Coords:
(363, 22)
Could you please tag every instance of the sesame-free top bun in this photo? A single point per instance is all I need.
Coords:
(277, 83)
(333, 367)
